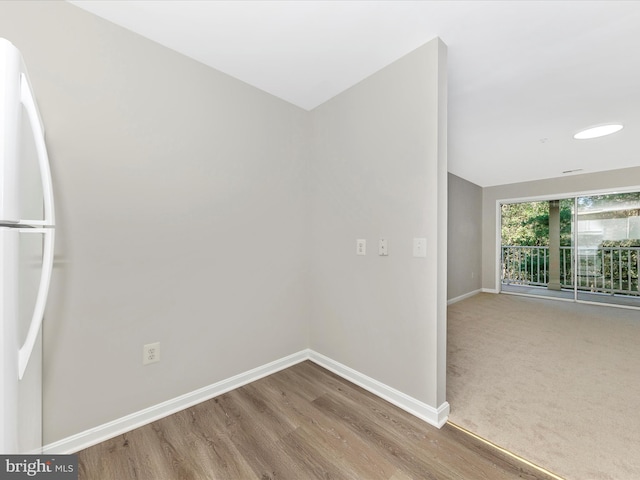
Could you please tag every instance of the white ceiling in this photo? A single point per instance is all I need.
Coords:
(524, 76)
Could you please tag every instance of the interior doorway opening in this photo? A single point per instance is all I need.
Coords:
(582, 248)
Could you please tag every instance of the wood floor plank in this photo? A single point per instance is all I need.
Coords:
(301, 423)
(255, 441)
(214, 445)
(314, 460)
(334, 439)
(377, 436)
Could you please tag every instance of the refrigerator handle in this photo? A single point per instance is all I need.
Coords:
(41, 300)
(26, 97)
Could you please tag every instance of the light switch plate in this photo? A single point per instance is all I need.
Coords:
(361, 246)
(420, 247)
(383, 247)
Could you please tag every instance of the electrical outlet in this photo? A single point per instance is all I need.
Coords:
(150, 353)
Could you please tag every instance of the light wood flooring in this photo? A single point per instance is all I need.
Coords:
(301, 423)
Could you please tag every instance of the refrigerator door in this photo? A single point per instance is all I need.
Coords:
(9, 337)
(9, 132)
(30, 194)
(22, 256)
(26, 194)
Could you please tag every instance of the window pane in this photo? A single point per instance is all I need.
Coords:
(608, 236)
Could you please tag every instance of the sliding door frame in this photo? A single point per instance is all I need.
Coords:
(574, 234)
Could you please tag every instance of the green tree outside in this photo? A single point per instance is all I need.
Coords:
(527, 224)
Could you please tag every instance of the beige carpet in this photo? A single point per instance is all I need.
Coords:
(557, 383)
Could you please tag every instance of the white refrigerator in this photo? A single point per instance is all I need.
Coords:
(26, 256)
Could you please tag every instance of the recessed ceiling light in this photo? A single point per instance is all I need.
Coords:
(599, 131)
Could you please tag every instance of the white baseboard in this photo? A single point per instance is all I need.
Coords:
(127, 423)
(437, 417)
(490, 290)
(462, 297)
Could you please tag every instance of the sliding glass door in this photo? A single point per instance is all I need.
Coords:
(583, 248)
(536, 248)
(608, 241)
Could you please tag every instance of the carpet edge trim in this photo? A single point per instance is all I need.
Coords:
(505, 451)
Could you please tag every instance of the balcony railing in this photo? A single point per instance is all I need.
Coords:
(604, 269)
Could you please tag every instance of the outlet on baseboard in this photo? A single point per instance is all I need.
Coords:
(150, 353)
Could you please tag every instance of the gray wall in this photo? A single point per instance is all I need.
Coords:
(560, 187)
(182, 207)
(380, 171)
(464, 250)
